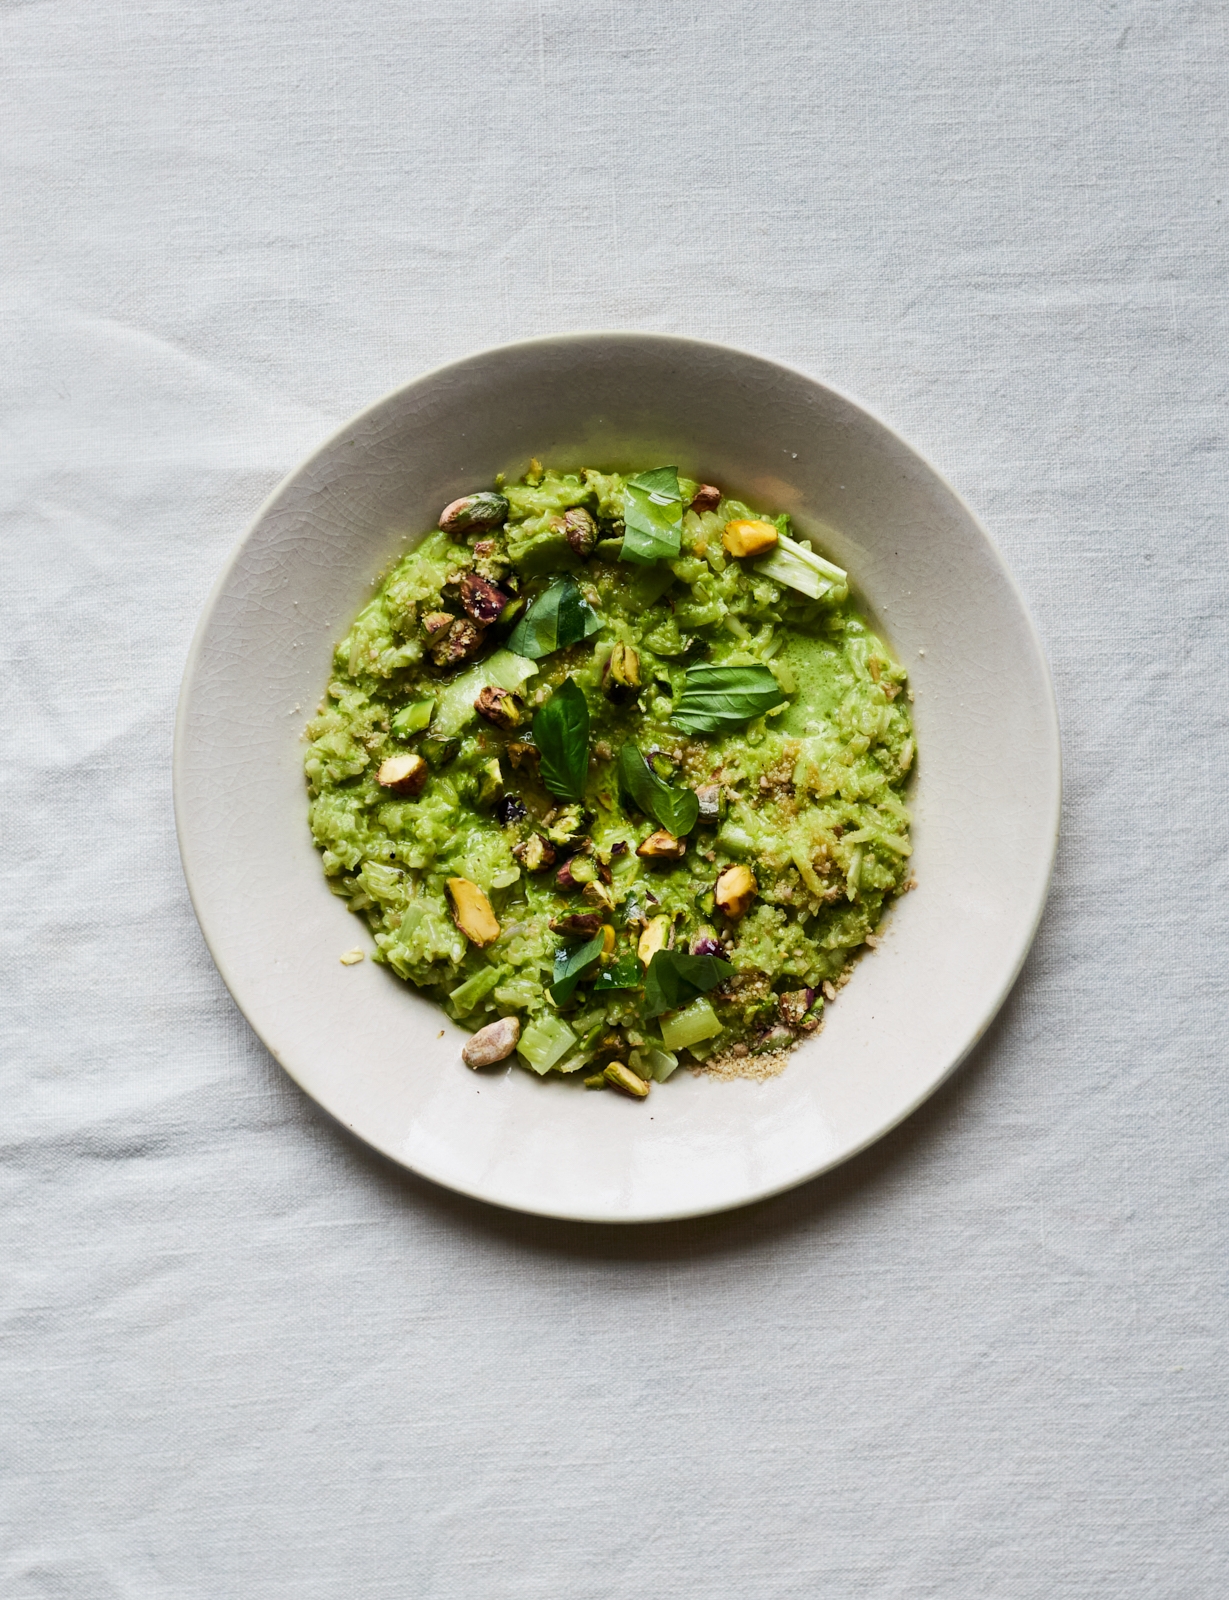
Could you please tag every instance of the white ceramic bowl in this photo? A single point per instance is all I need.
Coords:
(384, 1061)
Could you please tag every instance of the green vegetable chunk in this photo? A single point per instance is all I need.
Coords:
(546, 1042)
(716, 699)
(800, 568)
(467, 995)
(699, 1021)
(561, 736)
(675, 809)
(412, 719)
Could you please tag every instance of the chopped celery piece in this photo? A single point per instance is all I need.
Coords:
(653, 1063)
(546, 1041)
(412, 719)
(576, 1062)
(698, 1021)
(736, 841)
(799, 568)
(518, 993)
(467, 995)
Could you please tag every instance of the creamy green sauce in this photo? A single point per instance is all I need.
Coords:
(807, 798)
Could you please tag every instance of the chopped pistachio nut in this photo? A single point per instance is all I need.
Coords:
(736, 889)
(535, 854)
(463, 640)
(709, 796)
(472, 912)
(404, 775)
(653, 939)
(581, 925)
(663, 846)
(743, 538)
(483, 600)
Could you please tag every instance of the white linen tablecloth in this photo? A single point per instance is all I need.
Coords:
(242, 1357)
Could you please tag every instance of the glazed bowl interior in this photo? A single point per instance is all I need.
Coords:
(384, 1061)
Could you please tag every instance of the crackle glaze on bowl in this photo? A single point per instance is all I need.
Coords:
(385, 1062)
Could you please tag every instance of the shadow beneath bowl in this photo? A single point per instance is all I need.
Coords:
(897, 1160)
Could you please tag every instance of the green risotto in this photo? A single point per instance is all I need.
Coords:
(614, 772)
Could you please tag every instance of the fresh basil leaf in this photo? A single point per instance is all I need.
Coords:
(716, 699)
(570, 965)
(560, 616)
(676, 810)
(652, 516)
(625, 974)
(675, 979)
(561, 734)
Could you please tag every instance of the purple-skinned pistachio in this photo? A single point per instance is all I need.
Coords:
(580, 531)
(474, 511)
(483, 600)
(794, 1006)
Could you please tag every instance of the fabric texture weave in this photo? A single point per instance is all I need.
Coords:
(240, 1356)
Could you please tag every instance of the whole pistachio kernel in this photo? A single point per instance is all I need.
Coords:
(485, 601)
(622, 1077)
(472, 511)
(495, 1042)
(498, 707)
(621, 675)
(580, 531)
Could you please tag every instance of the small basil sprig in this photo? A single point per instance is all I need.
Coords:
(561, 734)
(716, 699)
(652, 516)
(570, 965)
(560, 616)
(676, 810)
(675, 979)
